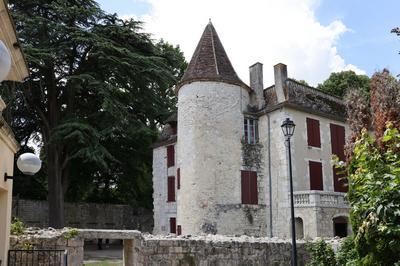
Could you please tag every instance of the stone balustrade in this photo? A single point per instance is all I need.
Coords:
(315, 198)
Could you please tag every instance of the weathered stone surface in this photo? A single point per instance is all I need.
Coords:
(144, 249)
(85, 215)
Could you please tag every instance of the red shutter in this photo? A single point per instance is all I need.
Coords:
(179, 230)
(170, 155)
(171, 188)
(337, 145)
(249, 187)
(313, 133)
(178, 178)
(316, 178)
(338, 140)
(253, 188)
(172, 225)
(245, 187)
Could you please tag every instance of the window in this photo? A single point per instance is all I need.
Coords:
(316, 178)
(340, 226)
(313, 134)
(249, 187)
(178, 178)
(179, 230)
(250, 128)
(337, 145)
(172, 225)
(171, 189)
(170, 155)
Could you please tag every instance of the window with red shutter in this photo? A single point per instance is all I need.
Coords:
(313, 133)
(171, 189)
(337, 145)
(316, 177)
(178, 178)
(249, 187)
(170, 155)
(172, 225)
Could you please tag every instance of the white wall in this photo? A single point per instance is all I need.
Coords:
(317, 221)
(8, 147)
(163, 210)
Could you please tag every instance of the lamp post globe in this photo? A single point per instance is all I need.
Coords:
(29, 163)
(5, 61)
(288, 127)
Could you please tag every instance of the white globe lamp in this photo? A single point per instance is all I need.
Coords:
(27, 163)
(5, 61)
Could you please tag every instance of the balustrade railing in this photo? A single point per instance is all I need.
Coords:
(314, 198)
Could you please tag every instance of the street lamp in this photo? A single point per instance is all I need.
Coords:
(5, 61)
(288, 127)
(27, 163)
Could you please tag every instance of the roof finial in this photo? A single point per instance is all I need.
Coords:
(209, 21)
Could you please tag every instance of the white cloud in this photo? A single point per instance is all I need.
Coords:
(268, 31)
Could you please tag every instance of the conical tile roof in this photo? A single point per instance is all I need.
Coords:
(210, 62)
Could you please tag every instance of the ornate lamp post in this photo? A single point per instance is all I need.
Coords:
(288, 127)
(28, 163)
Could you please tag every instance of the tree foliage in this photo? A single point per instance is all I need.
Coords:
(374, 185)
(98, 89)
(338, 83)
(373, 171)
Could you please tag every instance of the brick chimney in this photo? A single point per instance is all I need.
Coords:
(257, 84)
(280, 73)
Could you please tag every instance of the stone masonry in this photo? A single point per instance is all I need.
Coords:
(85, 215)
(148, 250)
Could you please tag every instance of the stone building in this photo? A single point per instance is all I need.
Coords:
(11, 58)
(221, 165)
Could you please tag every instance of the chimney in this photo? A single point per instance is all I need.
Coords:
(280, 73)
(257, 84)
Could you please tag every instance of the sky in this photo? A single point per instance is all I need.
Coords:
(312, 37)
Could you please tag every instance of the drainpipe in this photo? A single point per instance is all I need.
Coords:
(269, 176)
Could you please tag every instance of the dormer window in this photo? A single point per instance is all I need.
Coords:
(250, 128)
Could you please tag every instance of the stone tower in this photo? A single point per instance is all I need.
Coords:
(211, 101)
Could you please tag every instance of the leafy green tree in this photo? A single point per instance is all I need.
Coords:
(98, 89)
(338, 83)
(373, 173)
(374, 185)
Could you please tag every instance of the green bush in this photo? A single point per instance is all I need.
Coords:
(347, 254)
(321, 254)
(374, 196)
(72, 232)
(17, 227)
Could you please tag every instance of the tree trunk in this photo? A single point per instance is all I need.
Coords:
(56, 193)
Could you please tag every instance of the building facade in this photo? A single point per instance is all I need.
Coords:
(8, 145)
(221, 165)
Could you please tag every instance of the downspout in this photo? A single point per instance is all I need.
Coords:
(270, 176)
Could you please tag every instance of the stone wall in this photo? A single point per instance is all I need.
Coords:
(48, 240)
(209, 149)
(145, 249)
(85, 215)
(214, 250)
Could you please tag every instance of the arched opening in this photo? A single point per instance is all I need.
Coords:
(340, 226)
(299, 228)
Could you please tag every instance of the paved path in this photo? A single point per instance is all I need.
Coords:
(112, 252)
